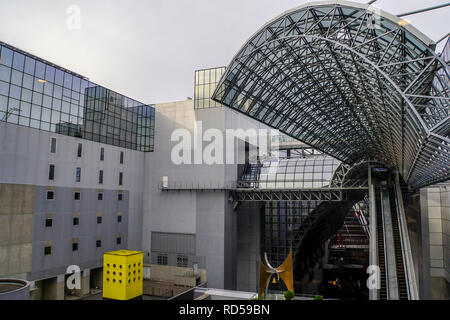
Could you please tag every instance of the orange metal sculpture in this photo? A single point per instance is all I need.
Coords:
(266, 271)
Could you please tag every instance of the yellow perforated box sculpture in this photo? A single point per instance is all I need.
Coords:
(123, 274)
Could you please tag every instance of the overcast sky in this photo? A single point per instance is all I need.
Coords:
(149, 49)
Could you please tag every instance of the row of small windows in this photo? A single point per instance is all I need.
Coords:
(75, 246)
(77, 195)
(51, 175)
(76, 221)
(182, 260)
(80, 151)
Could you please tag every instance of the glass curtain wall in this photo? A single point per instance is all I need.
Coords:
(37, 94)
(205, 84)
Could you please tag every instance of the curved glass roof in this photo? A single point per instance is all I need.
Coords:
(297, 173)
(351, 81)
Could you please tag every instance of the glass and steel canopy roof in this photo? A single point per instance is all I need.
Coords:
(352, 81)
(299, 173)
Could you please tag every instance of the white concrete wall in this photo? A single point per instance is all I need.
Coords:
(208, 215)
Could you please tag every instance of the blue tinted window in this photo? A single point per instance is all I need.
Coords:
(57, 93)
(19, 61)
(76, 84)
(25, 109)
(67, 80)
(84, 85)
(15, 92)
(50, 73)
(38, 85)
(37, 98)
(48, 88)
(28, 81)
(6, 57)
(26, 95)
(3, 103)
(36, 112)
(59, 77)
(4, 88)
(5, 73)
(40, 70)
(29, 65)
(16, 77)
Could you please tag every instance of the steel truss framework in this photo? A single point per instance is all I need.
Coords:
(353, 82)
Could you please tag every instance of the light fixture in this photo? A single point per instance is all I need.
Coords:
(42, 81)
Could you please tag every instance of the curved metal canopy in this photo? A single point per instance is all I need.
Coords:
(352, 81)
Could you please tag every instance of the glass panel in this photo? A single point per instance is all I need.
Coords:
(25, 109)
(19, 61)
(3, 103)
(16, 77)
(67, 80)
(5, 73)
(59, 77)
(29, 65)
(4, 88)
(40, 70)
(35, 112)
(28, 81)
(6, 57)
(15, 92)
(50, 73)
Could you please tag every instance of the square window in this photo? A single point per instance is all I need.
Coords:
(74, 246)
(99, 220)
(47, 250)
(76, 221)
(98, 243)
(77, 195)
(48, 222)
(182, 261)
(119, 219)
(50, 195)
(120, 197)
(119, 240)
(100, 196)
(162, 259)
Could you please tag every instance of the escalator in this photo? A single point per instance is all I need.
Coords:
(380, 246)
(400, 267)
(391, 248)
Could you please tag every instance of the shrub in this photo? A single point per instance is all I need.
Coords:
(318, 298)
(289, 295)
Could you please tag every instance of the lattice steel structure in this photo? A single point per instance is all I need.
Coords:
(353, 82)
